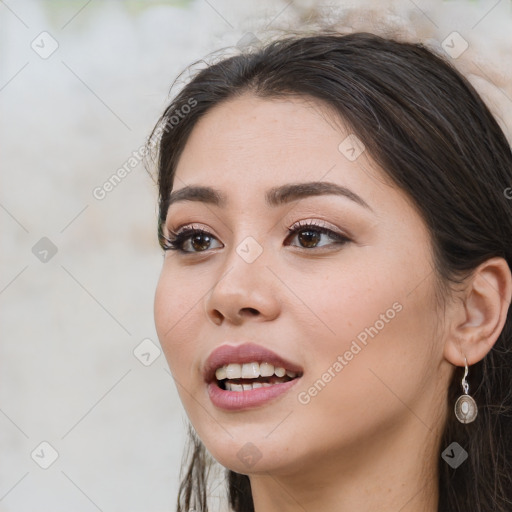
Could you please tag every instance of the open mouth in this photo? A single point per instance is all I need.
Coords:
(248, 376)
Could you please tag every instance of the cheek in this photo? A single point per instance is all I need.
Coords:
(176, 309)
(374, 311)
(346, 295)
(371, 373)
(383, 331)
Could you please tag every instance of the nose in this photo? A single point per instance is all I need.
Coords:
(242, 292)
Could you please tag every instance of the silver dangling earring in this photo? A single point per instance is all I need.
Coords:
(466, 409)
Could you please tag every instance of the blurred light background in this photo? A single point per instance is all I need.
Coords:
(89, 415)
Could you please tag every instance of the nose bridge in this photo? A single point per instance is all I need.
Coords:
(245, 267)
(244, 284)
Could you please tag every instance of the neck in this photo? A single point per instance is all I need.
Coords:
(394, 470)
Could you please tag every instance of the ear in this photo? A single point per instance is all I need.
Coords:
(476, 321)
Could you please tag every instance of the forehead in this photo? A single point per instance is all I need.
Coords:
(258, 142)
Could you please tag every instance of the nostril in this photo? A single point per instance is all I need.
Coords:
(217, 316)
(251, 311)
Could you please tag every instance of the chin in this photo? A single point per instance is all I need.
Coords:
(247, 454)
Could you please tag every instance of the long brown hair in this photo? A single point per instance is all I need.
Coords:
(432, 134)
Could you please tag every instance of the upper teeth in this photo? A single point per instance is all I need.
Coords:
(251, 371)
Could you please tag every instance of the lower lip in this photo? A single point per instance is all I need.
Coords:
(237, 400)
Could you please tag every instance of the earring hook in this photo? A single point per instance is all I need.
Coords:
(465, 385)
(466, 409)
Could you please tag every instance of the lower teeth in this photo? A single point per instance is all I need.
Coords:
(232, 386)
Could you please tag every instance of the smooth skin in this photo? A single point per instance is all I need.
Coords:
(370, 438)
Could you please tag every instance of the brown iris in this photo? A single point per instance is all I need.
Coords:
(309, 237)
(200, 241)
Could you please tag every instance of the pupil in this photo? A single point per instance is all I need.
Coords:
(309, 238)
(201, 241)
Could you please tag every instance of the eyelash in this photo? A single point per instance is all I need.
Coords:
(177, 238)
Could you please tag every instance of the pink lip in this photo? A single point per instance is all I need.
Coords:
(246, 353)
(236, 400)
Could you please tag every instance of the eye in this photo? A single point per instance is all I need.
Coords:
(188, 240)
(310, 234)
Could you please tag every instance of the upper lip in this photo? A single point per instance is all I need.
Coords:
(245, 353)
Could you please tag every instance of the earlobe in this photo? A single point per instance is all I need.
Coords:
(480, 315)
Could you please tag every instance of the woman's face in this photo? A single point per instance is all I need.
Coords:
(347, 298)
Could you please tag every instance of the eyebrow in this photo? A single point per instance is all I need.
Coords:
(275, 196)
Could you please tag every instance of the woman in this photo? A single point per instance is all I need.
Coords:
(336, 279)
